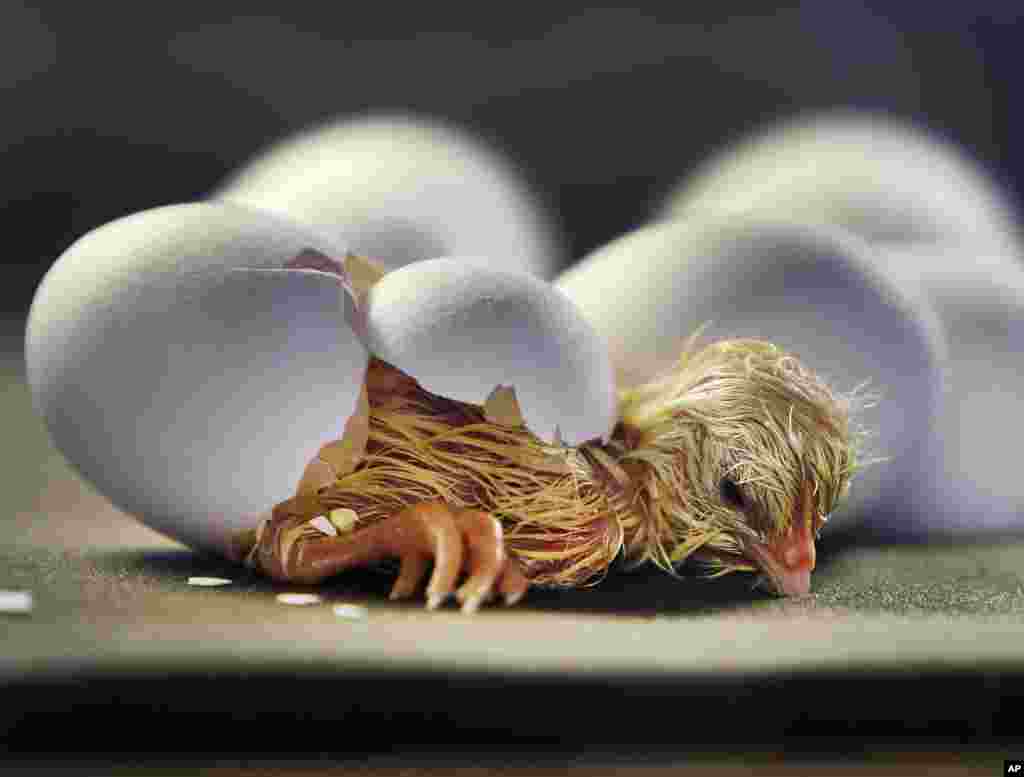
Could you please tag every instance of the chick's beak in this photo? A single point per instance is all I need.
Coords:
(788, 561)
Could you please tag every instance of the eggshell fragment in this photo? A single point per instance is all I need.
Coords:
(299, 600)
(351, 611)
(462, 329)
(184, 373)
(341, 456)
(502, 408)
(208, 582)
(880, 178)
(16, 602)
(343, 519)
(401, 189)
(324, 526)
(818, 293)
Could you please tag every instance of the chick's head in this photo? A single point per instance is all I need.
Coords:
(740, 453)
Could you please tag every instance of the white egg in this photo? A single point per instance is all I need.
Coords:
(880, 178)
(401, 189)
(184, 373)
(818, 293)
(939, 225)
(981, 306)
(461, 328)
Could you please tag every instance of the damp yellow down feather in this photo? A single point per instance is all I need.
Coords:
(738, 408)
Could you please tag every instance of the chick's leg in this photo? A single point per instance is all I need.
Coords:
(459, 542)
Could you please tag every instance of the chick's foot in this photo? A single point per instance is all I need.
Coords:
(460, 544)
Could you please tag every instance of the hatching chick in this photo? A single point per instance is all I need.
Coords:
(734, 458)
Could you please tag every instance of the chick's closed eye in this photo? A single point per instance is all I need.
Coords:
(746, 450)
(731, 494)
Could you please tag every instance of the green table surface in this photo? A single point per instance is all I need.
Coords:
(902, 649)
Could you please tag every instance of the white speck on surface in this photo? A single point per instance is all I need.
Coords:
(15, 601)
(353, 611)
(298, 599)
(322, 523)
(208, 582)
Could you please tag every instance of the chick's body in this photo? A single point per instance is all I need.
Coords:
(730, 457)
(562, 519)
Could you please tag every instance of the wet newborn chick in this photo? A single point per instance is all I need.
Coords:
(734, 458)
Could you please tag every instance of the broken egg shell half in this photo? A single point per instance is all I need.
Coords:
(461, 328)
(881, 178)
(399, 189)
(184, 373)
(820, 294)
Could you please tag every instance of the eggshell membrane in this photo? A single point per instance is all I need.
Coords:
(982, 312)
(400, 189)
(818, 293)
(880, 178)
(189, 391)
(461, 328)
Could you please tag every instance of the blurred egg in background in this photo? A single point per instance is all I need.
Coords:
(883, 179)
(400, 189)
(941, 227)
(980, 301)
(818, 293)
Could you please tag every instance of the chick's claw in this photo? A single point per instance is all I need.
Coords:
(485, 549)
(414, 568)
(460, 543)
(512, 584)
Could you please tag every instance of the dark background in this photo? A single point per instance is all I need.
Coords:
(111, 108)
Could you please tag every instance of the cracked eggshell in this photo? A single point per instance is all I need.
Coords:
(401, 189)
(882, 179)
(461, 329)
(189, 391)
(820, 294)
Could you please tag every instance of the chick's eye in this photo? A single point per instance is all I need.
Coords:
(731, 494)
